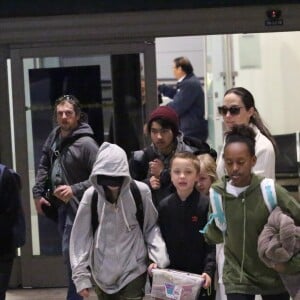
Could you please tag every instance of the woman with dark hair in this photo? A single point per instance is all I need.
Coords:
(239, 108)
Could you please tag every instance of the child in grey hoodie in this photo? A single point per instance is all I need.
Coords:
(117, 255)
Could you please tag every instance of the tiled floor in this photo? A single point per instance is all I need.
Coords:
(40, 294)
(44, 294)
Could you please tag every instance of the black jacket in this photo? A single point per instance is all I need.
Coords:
(139, 167)
(9, 205)
(188, 102)
(180, 222)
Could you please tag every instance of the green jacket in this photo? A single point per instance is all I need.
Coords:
(246, 216)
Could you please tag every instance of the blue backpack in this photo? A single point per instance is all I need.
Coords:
(268, 190)
(19, 228)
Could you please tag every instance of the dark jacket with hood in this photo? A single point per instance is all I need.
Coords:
(76, 159)
(246, 216)
(180, 222)
(139, 167)
(117, 253)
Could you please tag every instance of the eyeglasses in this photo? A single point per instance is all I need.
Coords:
(233, 110)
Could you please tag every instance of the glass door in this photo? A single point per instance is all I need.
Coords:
(109, 87)
(219, 77)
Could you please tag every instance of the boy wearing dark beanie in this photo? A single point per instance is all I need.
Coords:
(151, 164)
(165, 113)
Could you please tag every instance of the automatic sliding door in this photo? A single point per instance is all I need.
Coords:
(109, 88)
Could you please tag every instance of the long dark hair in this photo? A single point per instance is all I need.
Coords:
(255, 119)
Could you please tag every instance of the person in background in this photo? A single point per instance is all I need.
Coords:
(207, 174)
(151, 164)
(246, 213)
(188, 99)
(117, 253)
(9, 206)
(239, 108)
(181, 216)
(67, 160)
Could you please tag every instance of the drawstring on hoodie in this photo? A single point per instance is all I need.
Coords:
(124, 216)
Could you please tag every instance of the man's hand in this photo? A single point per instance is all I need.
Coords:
(207, 280)
(38, 204)
(156, 166)
(64, 193)
(85, 293)
(154, 183)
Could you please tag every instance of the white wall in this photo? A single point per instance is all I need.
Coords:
(275, 83)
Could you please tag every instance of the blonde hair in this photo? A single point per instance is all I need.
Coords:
(189, 156)
(208, 164)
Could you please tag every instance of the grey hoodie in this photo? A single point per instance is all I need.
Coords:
(117, 252)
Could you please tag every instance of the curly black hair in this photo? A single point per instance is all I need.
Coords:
(241, 133)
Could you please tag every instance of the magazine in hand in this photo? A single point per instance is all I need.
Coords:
(171, 284)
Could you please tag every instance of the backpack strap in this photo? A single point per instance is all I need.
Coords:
(70, 140)
(136, 193)
(218, 212)
(95, 221)
(137, 199)
(267, 186)
(199, 146)
(269, 194)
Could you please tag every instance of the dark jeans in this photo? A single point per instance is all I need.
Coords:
(284, 296)
(65, 230)
(134, 290)
(5, 271)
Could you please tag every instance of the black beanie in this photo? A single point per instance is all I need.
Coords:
(165, 113)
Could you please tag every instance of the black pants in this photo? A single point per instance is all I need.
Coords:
(204, 294)
(284, 296)
(5, 271)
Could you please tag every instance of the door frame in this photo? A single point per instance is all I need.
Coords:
(29, 269)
